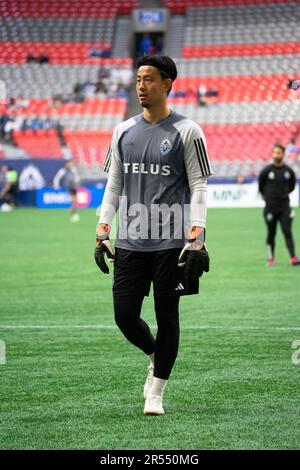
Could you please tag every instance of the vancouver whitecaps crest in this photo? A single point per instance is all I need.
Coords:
(165, 146)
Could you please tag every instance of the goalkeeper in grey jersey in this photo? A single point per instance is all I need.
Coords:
(158, 168)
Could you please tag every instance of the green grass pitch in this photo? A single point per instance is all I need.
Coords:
(71, 381)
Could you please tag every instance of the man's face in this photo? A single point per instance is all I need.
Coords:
(278, 155)
(150, 87)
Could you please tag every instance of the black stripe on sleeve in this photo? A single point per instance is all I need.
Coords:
(205, 158)
(107, 160)
(198, 152)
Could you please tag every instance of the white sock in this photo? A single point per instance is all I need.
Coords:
(151, 357)
(158, 387)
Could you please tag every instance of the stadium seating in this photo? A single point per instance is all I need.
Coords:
(247, 51)
(65, 8)
(241, 88)
(221, 50)
(244, 112)
(88, 147)
(247, 141)
(22, 29)
(35, 81)
(58, 52)
(180, 6)
(238, 65)
(242, 25)
(39, 143)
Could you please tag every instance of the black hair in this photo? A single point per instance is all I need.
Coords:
(163, 63)
(279, 146)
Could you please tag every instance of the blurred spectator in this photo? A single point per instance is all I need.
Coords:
(57, 101)
(100, 91)
(78, 95)
(159, 45)
(248, 175)
(97, 51)
(4, 118)
(146, 45)
(18, 103)
(121, 91)
(2, 178)
(180, 94)
(251, 173)
(118, 75)
(103, 73)
(240, 178)
(41, 59)
(13, 123)
(212, 92)
(36, 123)
(31, 59)
(115, 83)
(11, 102)
(191, 93)
(22, 103)
(292, 150)
(106, 53)
(202, 95)
(293, 83)
(88, 89)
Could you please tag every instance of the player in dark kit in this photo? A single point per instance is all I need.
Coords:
(158, 168)
(276, 182)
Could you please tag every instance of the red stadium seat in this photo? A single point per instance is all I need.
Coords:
(195, 51)
(88, 146)
(179, 6)
(39, 143)
(239, 88)
(247, 141)
(65, 8)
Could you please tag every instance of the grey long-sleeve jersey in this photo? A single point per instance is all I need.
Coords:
(157, 179)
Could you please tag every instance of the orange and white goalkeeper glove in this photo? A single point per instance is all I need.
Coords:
(103, 247)
(194, 257)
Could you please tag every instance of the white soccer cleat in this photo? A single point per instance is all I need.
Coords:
(6, 207)
(149, 380)
(74, 218)
(153, 405)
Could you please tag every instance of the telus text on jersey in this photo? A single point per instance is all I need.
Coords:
(153, 168)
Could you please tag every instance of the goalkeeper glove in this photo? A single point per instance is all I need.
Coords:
(103, 247)
(196, 261)
(194, 258)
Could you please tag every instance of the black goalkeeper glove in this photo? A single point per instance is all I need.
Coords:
(195, 261)
(104, 247)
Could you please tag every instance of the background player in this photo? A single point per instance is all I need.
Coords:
(68, 178)
(8, 188)
(276, 182)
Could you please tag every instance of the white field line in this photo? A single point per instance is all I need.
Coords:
(184, 328)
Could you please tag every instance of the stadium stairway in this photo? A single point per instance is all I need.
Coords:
(175, 35)
(122, 37)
